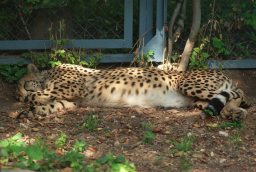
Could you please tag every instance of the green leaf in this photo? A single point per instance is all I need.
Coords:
(79, 146)
(120, 159)
(122, 168)
(104, 159)
(13, 140)
(35, 152)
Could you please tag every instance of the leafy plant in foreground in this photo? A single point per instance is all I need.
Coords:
(39, 157)
(12, 73)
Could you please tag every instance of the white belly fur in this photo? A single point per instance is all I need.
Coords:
(171, 99)
(152, 99)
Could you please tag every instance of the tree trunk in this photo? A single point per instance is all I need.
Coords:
(192, 36)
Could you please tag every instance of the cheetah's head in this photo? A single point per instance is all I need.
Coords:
(31, 82)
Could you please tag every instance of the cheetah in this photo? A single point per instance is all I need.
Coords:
(68, 86)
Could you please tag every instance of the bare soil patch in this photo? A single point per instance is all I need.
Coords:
(121, 131)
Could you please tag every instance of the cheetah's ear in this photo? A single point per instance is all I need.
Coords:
(32, 68)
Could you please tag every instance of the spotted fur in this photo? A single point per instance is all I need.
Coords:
(67, 86)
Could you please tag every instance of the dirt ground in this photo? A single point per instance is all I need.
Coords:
(121, 132)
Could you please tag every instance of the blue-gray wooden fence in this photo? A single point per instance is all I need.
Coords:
(151, 36)
(153, 40)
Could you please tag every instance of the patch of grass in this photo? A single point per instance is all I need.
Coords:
(91, 122)
(149, 135)
(185, 164)
(235, 140)
(40, 157)
(208, 112)
(147, 125)
(185, 144)
(232, 124)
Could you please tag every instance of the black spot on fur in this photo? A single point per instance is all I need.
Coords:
(113, 89)
(198, 91)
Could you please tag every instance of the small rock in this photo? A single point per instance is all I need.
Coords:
(222, 160)
(34, 129)
(212, 154)
(157, 130)
(24, 125)
(197, 156)
(196, 125)
(180, 154)
(189, 134)
(167, 132)
(173, 111)
(133, 116)
(117, 143)
(223, 133)
(90, 152)
(202, 150)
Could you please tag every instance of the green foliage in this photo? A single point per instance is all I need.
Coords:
(208, 112)
(91, 122)
(92, 61)
(220, 47)
(58, 56)
(145, 60)
(115, 164)
(149, 135)
(198, 59)
(73, 159)
(185, 164)
(235, 140)
(39, 157)
(185, 144)
(12, 73)
(79, 146)
(232, 124)
(61, 141)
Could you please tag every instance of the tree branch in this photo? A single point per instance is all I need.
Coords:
(170, 30)
(24, 23)
(180, 21)
(192, 36)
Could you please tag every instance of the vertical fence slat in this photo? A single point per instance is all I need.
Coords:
(128, 23)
